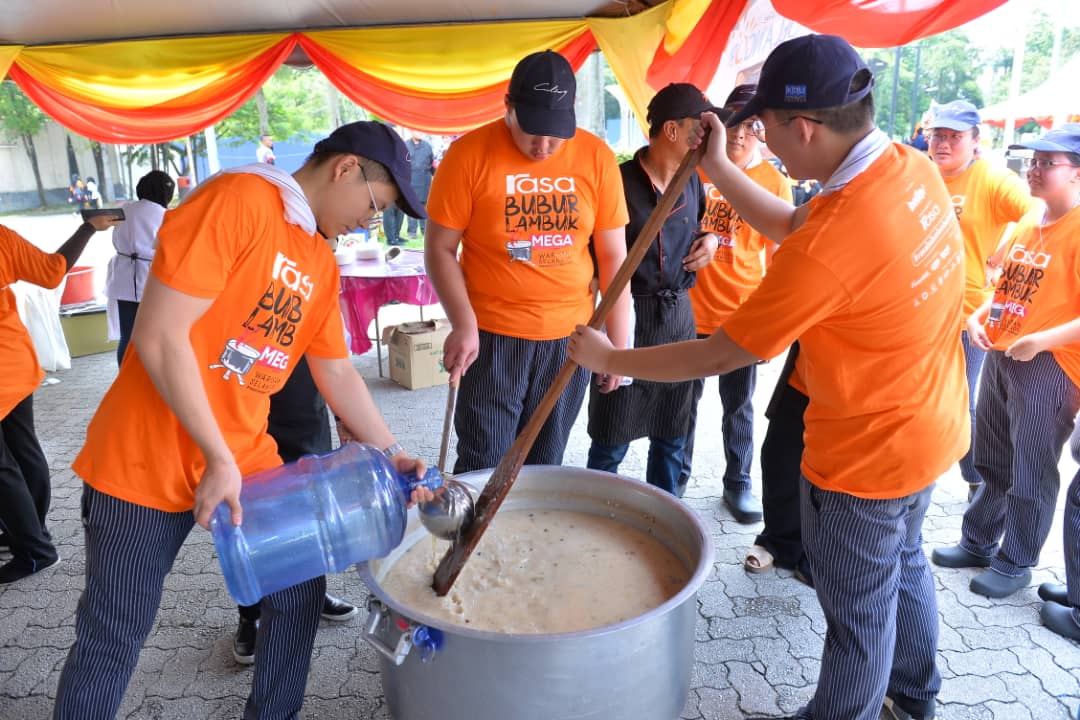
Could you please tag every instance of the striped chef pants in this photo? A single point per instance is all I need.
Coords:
(1024, 416)
(129, 551)
(501, 391)
(877, 593)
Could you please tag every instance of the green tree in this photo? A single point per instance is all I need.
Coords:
(20, 118)
(1038, 51)
(946, 67)
(296, 107)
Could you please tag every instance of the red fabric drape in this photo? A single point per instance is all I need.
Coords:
(696, 61)
(429, 112)
(883, 23)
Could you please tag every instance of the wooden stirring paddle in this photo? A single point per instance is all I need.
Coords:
(506, 472)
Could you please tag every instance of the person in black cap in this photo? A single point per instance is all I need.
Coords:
(659, 288)
(734, 273)
(242, 286)
(524, 197)
(871, 285)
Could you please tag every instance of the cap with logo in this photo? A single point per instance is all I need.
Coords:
(956, 115)
(542, 92)
(811, 72)
(740, 95)
(378, 142)
(1063, 139)
(675, 102)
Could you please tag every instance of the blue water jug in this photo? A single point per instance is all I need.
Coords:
(320, 514)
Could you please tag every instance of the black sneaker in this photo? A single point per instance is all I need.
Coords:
(243, 646)
(912, 709)
(15, 570)
(337, 610)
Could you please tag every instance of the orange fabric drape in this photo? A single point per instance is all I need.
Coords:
(438, 112)
(438, 78)
(123, 119)
(883, 23)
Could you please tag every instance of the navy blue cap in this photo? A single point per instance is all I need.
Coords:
(542, 91)
(1063, 139)
(811, 72)
(378, 142)
(740, 95)
(675, 102)
(957, 115)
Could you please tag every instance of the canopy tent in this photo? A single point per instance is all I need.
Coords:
(119, 70)
(1054, 99)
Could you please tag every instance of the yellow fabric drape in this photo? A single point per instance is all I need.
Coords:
(418, 57)
(629, 45)
(681, 21)
(141, 73)
(8, 53)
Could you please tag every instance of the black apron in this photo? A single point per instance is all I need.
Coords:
(648, 409)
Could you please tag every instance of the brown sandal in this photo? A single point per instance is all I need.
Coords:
(758, 560)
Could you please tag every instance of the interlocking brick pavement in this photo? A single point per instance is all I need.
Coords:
(759, 637)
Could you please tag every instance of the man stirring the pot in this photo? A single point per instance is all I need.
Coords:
(522, 196)
(870, 279)
(243, 284)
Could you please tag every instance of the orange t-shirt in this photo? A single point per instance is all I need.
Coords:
(526, 227)
(986, 199)
(1038, 286)
(872, 286)
(275, 297)
(19, 260)
(738, 266)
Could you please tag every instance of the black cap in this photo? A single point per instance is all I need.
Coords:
(675, 102)
(741, 95)
(542, 91)
(811, 72)
(378, 142)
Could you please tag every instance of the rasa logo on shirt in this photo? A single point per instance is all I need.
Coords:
(260, 355)
(1020, 282)
(720, 218)
(540, 216)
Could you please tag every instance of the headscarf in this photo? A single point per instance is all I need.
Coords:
(156, 186)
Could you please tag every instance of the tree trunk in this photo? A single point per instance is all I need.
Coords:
(73, 163)
(99, 163)
(264, 115)
(333, 104)
(31, 152)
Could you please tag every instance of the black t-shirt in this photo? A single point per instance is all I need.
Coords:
(298, 419)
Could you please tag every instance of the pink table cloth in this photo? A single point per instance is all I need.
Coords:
(367, 285)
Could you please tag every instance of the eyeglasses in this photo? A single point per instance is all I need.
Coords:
(376, 218)
(791, 119)
(1044, 163)
(753, 127)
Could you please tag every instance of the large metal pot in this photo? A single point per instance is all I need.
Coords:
(634, 670)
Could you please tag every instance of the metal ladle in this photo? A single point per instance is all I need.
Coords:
(451, 511)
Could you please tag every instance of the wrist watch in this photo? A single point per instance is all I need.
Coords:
(393, 450)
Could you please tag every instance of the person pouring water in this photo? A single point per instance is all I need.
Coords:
(242, 285)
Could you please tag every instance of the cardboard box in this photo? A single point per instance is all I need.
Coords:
(416, 353)
(86, 330)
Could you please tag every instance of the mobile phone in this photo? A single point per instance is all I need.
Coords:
(117, 213)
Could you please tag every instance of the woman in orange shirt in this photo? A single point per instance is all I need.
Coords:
(1025, 409)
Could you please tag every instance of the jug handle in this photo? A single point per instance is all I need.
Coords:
(396, 654)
